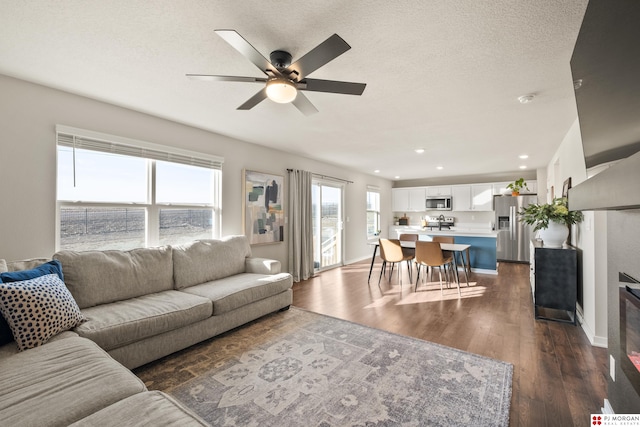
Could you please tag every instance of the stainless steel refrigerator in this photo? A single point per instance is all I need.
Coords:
(513, 235)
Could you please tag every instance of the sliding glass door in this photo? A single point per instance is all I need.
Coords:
(327, 224)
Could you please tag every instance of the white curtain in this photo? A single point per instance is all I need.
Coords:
(300, 225)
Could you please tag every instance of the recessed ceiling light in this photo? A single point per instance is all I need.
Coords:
(377, 171)
(524, 156)
(419, 150)
(523, 167)
(439, 168)
(525, 99)
(397, 177)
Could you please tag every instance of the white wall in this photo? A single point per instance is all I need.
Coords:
(29, 114)
(590, 236)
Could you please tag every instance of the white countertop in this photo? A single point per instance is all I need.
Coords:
(455, 231)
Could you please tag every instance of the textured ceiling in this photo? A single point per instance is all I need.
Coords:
(441, 75)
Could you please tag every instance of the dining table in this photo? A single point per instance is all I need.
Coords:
(456, 248)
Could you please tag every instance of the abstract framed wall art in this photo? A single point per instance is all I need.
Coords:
(263, 208)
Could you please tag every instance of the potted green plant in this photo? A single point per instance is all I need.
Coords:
(552, 219)
(517, 185)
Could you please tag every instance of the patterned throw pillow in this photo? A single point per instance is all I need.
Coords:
(37, 309)
(53, 266)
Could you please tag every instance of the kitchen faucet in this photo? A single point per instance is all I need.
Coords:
(440, 221)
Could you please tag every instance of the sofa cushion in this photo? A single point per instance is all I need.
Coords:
(206, 260)
(116, 324)
(101, 277)
(3, 266)
(37, 309)
(11, 349)
(151, 408)
(241, 289)
(61, 382)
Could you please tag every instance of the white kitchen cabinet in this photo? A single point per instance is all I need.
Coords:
(461, 198)
(417, 198)
(444, 190)
(474, 197)
(481, 197)
(399, 199)
(408, 199)
(533, 187)
(500, 188)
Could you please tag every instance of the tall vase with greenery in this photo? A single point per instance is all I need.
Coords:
(553, 219)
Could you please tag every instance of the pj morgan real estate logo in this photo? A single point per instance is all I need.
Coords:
(626, 420)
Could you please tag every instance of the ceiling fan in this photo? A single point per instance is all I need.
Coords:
(284, 81)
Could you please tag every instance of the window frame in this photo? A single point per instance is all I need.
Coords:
(152, 209)
(376, 212)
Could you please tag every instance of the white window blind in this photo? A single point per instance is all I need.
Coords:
(79, 139)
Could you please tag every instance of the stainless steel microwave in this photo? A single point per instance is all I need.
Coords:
(438, 203)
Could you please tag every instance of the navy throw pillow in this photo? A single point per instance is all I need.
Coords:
(51, 267)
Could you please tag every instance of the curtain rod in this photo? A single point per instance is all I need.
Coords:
(326, 177)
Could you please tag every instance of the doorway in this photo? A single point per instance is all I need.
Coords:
(327, 211)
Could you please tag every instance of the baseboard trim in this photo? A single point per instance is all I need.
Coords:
(607, 409)
(484, 271)
(595, 340)
(353, 261)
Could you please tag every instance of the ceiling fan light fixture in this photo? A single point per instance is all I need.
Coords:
(281, 91)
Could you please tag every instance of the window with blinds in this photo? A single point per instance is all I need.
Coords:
(118, 193)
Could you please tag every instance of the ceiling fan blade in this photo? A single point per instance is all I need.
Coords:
(332, 86)
(244, 47)
(209, 77)
(303, 104)
(325, 52)
(254, 100)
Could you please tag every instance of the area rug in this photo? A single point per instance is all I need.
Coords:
(301, 368)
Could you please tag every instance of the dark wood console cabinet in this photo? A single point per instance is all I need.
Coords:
(554, 282)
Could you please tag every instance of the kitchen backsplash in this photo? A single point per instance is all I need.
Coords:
(481, 219)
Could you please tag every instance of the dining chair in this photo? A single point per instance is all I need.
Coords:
(444, 239)
(391, 251)
(429, 254)
(409, 237)
(451, 239)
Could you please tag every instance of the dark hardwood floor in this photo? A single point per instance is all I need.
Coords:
(559, 378)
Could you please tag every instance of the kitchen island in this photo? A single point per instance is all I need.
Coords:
(482, 254)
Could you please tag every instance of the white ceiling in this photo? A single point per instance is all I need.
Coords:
(441, 75)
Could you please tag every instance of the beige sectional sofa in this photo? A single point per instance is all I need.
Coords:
(139, 305)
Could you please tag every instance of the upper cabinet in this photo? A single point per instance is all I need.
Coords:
(408, 199)
(439, 191)
(474, 197)
(461, 197)
(481, 197)
(500, 188)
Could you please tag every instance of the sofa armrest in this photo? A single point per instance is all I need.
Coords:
(262, 265)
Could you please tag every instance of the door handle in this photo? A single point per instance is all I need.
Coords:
(512, 220)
